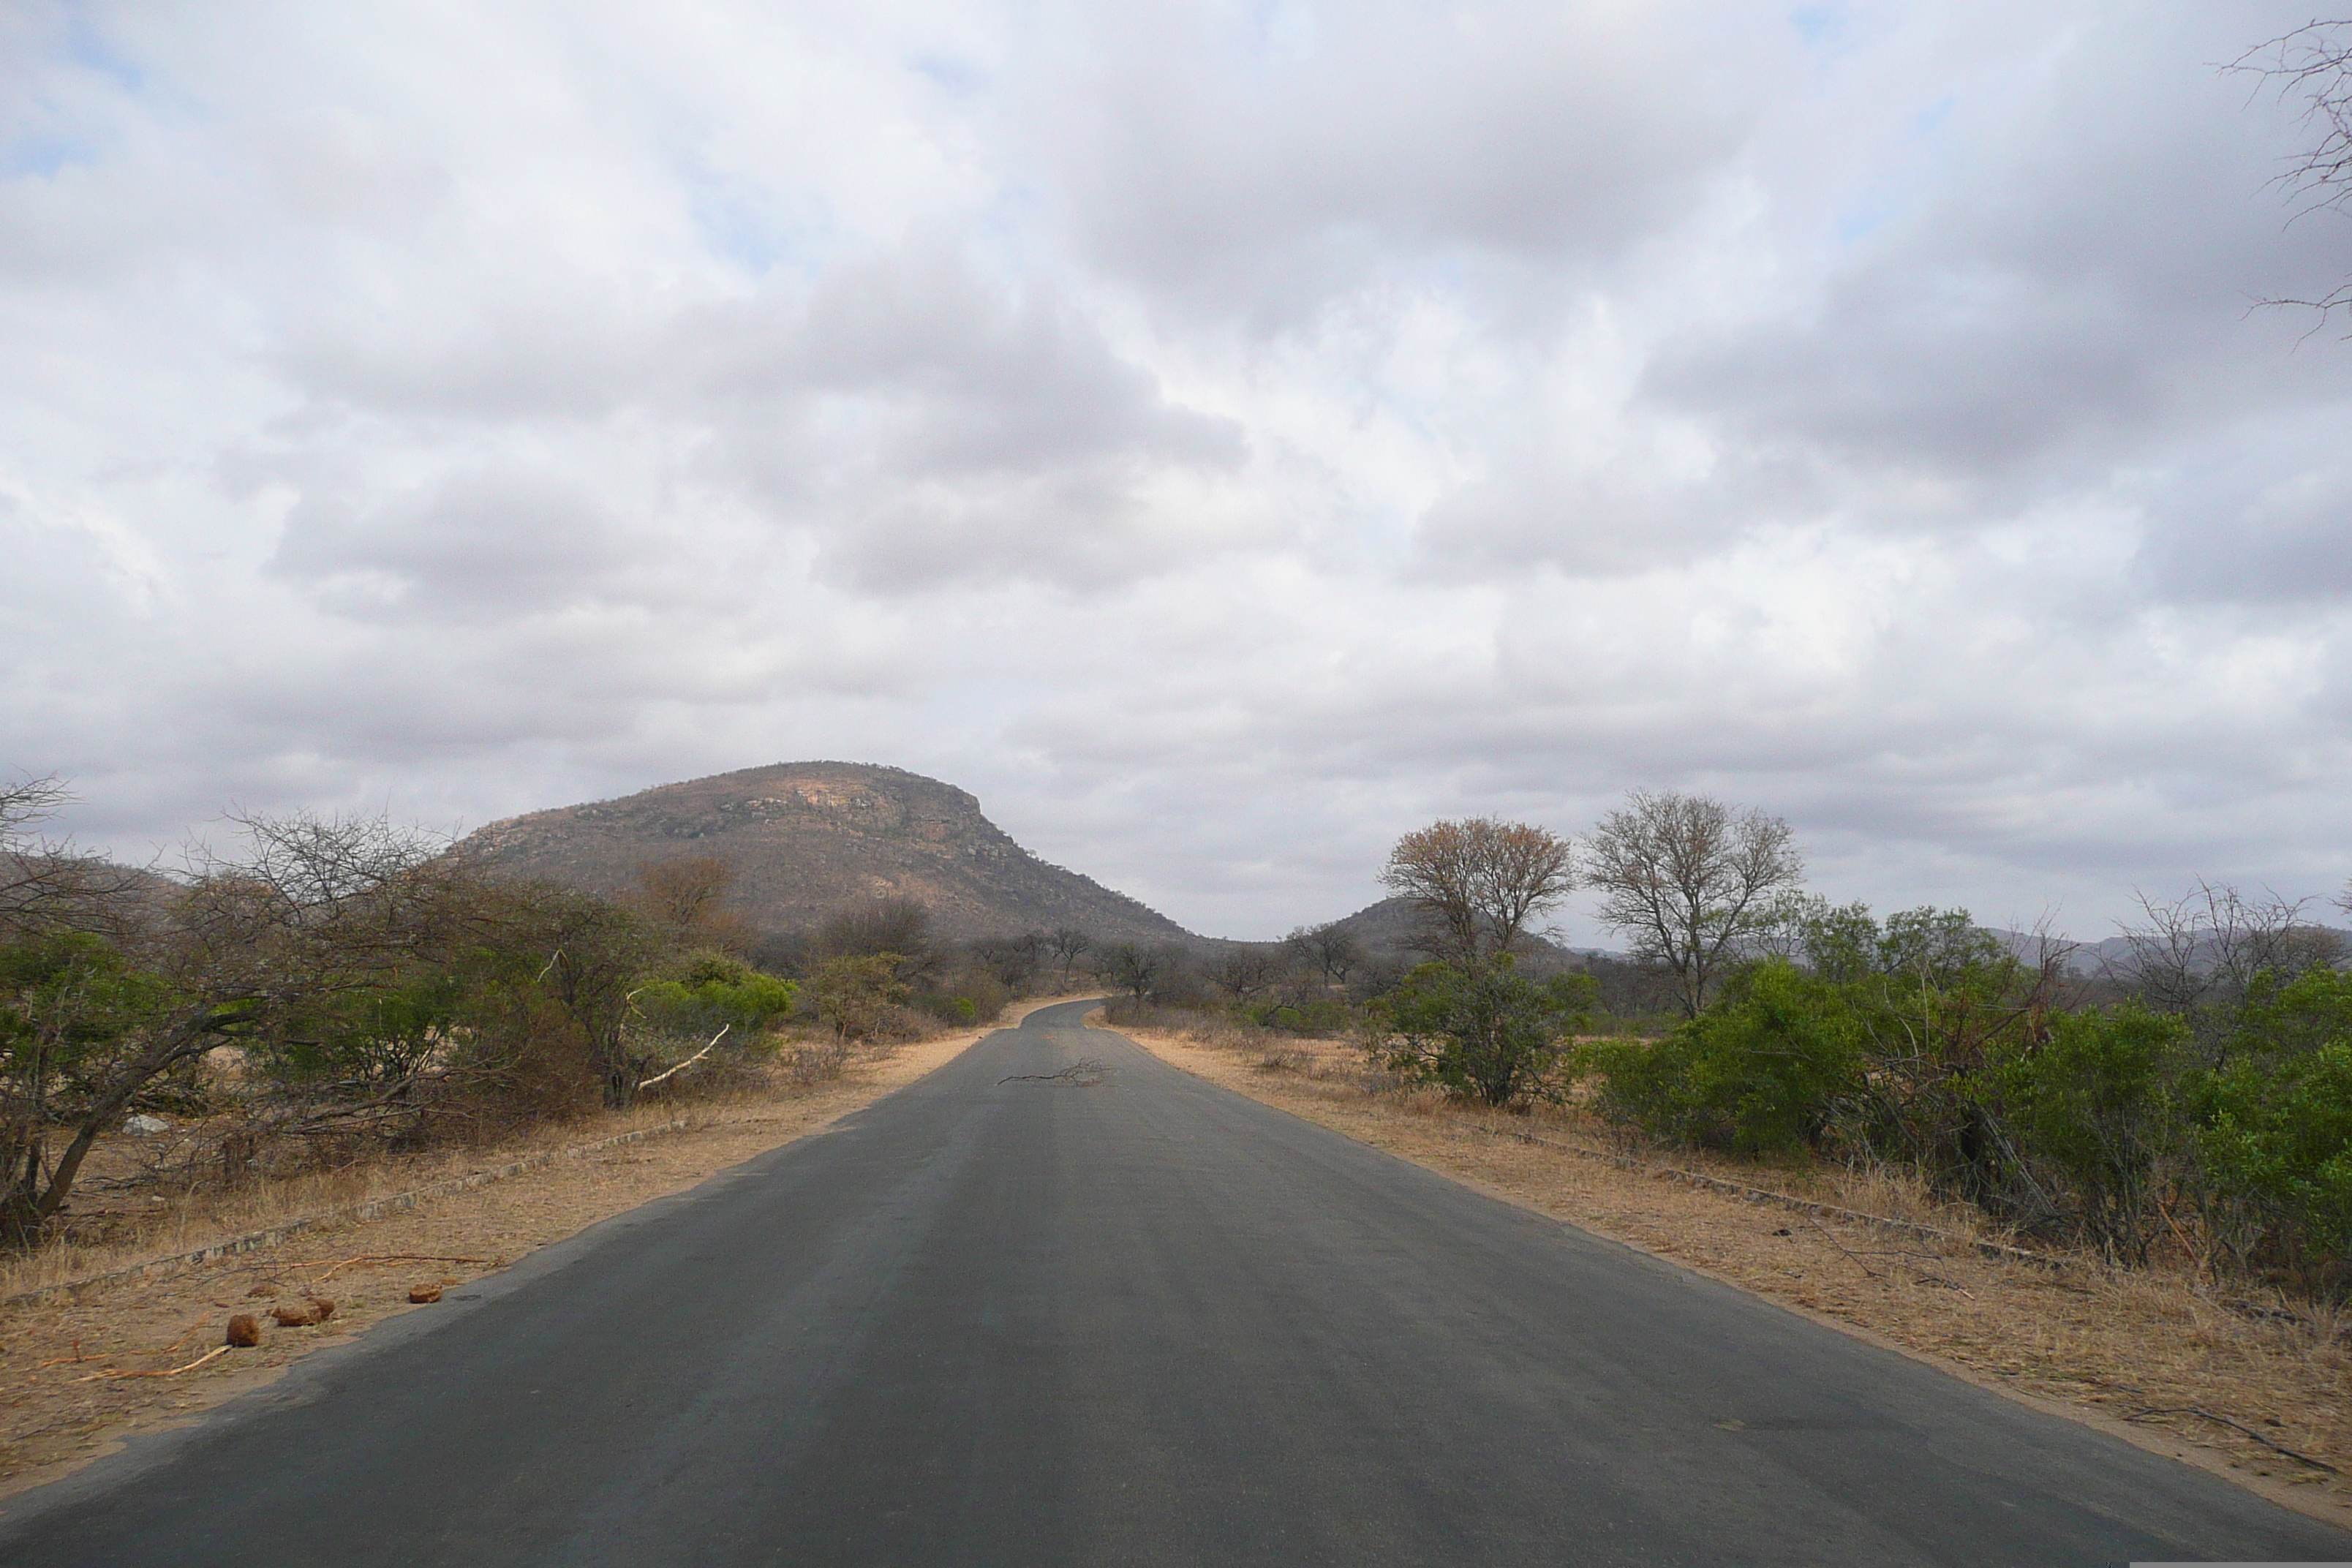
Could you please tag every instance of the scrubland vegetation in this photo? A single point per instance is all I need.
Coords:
(2184, 1099)
(323, 992)
(320, 995)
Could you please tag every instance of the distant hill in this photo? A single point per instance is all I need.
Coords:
(1387, 930)
(806, 838)
(2114, 955)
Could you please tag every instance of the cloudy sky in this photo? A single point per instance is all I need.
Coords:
(1221, 436)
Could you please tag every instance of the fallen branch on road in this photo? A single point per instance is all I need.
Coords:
(1085, 1072)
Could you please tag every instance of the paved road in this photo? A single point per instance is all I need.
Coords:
(1145, 1322)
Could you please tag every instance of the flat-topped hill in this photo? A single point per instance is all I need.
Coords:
(806, 838)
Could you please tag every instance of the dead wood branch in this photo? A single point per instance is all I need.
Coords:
(689, 1061)
(1868, 1272)
(117, 1371)
(2234, 1427)
(389, 1258)
(1085, 1072)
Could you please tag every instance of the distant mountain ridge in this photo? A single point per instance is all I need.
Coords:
(2113, 955)
(807, 839)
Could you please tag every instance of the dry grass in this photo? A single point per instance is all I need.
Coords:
(186, 1221)
(2170, 1361)
(59, 1406)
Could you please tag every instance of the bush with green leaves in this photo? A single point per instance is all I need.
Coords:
(71, 1007)
(366, 1039)
(963, 993)
(2289, 1016)
(2089, 1107)
(1479, 1029)
(717, 992)
(2274, 1130)
(2277, 1147)
(1767, 1068)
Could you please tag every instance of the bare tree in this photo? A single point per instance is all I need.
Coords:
(2314, 63)
(45, 885)
(896, 924)
(1692, 880)
(1014, 959)
(28, 873)
(1068, 945)
(686, 900)
(854, 994)
(1478, 881)
(2201, 953)
(1243, 969)
(1330, 950)
(1136, 970)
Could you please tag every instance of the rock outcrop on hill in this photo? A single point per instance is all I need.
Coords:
(807, 839)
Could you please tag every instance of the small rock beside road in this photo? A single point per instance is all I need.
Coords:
(315, 1310)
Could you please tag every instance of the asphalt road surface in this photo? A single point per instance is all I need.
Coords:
(1143, 1321)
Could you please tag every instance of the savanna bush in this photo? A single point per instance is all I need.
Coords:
(2090, 1105)
(1766, 1069)
(2274, 1142)
(1478, 1028)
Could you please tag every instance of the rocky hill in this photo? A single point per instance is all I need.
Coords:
(807, 839)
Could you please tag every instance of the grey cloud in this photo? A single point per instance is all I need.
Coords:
(339, 168)
(1638, 511)
(2279, 535)
(533, 351)
(1263, 160)
(1214, 447)
(2077, 290)
(480, 543)
(976, 378)
(924, 424)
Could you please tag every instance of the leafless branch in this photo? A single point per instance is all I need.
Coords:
(689, 1061)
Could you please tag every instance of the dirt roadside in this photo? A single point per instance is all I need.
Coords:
(2162, 1361)
(61, 1405)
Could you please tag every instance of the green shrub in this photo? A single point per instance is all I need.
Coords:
(1479, 1030)
(2090, 1106)
(2275, 1142)
(717, 992)
(1767, 1068)
(965, 998)
(2282, 1020)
